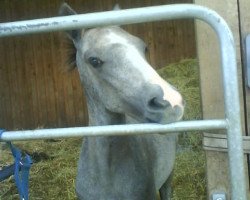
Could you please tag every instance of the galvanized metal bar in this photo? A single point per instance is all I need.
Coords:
(115, 17)
(157, 13)
(111, 130)
(129, 16)
(232, 110)
(248, 59)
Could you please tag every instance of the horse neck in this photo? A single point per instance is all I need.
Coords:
(99, 147)
(100, 116)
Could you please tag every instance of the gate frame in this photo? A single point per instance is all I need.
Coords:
(232, 121)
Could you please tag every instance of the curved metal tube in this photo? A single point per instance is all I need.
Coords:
(160, 13)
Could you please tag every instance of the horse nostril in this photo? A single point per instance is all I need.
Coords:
(158, 103)
(178, 112)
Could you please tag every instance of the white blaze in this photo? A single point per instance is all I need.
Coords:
(148, 73)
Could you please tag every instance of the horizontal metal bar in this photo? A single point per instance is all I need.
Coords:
(116, 17)
(111, 130)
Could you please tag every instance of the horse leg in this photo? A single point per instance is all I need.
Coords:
(165, 190)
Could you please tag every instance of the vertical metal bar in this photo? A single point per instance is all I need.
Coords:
(248, 59)
(232, 111)
(139, 15)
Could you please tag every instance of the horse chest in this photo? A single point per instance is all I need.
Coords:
(122, 168)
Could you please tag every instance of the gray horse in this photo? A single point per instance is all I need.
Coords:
(121, 86)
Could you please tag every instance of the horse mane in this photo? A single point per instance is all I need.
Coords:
(70, 54)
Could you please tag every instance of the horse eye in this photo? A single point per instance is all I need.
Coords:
(95, 62)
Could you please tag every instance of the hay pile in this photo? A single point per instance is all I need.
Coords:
(53, 174)
(189, 177)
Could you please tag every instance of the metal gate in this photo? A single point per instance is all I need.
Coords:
(231, 122)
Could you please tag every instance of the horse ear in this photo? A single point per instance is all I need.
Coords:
(117, 7)
(66, 10)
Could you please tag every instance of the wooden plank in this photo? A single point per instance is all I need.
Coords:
(218, 142)
(40, 79)
(28, 80)
(46, 61)
(61, 97)
(22, 88)
(211, 87)
(57, 77)
(12, 75)
(7, 98)
(3, 77)
(48, 56)
(30, 64)
(25, 83)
